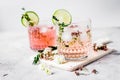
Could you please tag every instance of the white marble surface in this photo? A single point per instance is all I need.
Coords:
(16, 62)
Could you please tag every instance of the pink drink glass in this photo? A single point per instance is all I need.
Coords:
(75, 41)
(42, 36)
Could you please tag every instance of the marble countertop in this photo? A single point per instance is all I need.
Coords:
(16, 59)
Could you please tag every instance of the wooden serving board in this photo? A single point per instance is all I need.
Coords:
(73, 65)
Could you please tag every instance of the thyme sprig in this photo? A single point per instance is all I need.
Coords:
(36, 59)
(61, 27)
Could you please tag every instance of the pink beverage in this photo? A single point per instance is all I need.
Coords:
(41, 37)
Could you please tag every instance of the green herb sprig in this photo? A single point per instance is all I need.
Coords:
(61, 28)
(30, 22)
(53, 47)
(36, 59)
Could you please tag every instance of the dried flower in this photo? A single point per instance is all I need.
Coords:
(97, 47)
(77, 73)
(94, 71)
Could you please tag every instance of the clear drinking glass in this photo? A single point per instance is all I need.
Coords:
(42, 36)
(75, 41)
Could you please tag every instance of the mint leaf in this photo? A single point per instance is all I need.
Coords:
(40, 51)
(55, 18)
(53, 47)
(62, 24)
(36, 59)
(31, 24)
(27, 17)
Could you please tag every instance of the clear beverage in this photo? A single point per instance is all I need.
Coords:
(75, 42)
(41, 37)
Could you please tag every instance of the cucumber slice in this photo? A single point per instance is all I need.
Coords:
(30, 18)
(61, 17)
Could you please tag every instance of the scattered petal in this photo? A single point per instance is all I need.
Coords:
(48, 71)
(77, 73)
(60, 59)
(94, 71)
(42, 66)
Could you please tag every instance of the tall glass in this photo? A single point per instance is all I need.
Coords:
(42, 36)
(75, 41)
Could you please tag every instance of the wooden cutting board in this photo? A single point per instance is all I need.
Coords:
(73, 65)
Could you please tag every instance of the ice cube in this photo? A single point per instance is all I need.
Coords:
(66, 36)
(43, 29)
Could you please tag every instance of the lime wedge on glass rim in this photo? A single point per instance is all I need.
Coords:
(61, 17)
(29, 18)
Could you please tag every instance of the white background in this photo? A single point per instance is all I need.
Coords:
(103, 13)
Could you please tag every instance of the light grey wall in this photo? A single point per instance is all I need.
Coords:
(104, 13)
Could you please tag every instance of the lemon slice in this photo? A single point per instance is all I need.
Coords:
(61, 17)
(30, 18)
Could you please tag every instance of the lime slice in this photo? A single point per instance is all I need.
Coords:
(61, 17)
(30, 18)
